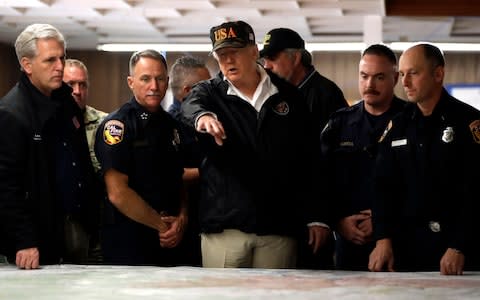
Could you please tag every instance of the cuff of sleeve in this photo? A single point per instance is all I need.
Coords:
(202, 114)
(318, 224)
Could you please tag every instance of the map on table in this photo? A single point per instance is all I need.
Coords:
(128, 282)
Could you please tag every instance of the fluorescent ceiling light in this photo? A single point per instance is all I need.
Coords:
(132, 47)
(461, 47)
(353, 47)
(116, 47)
(312, 47)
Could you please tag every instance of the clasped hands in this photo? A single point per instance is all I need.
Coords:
(176, 226)
(357, 228)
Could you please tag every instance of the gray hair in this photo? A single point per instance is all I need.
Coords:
(26, 43)
(182, 67)
(71, 62)
(305, 58)
(150, 53)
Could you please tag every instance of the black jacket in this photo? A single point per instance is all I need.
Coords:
(323, 97)
(45, 170)
(259, 180)
(349, 145)
(427, 170)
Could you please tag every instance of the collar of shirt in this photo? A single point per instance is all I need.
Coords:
(43, 107)
(264, 90)
(311, 72)
(92, 115)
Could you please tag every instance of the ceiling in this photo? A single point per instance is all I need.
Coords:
(87, 23)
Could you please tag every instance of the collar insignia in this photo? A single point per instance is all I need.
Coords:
(144, 116)
(384, 134)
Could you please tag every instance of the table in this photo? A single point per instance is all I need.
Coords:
(129, 282)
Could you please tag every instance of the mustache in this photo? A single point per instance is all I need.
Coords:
(371, 91)
(153, 94)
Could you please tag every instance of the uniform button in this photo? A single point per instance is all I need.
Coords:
(434, 226)
(79, 184)
(421, 145)
(65, 144)
(74, 164)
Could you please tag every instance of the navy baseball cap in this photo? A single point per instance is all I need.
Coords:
(236, 34)
(279, 39)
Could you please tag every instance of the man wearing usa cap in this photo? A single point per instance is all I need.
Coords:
(284, 54)
(257, 140)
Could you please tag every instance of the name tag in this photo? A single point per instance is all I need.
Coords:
(401, 142)
(346, 144)
(37, 137)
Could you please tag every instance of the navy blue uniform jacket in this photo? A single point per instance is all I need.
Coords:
(349, 145)
(427, 170)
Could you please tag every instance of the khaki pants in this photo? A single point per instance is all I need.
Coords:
(235, 249)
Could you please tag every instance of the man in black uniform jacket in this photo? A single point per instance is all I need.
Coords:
(349, 149)
(427, 174)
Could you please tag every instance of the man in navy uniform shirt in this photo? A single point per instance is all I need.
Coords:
(427, 174)
(349, 148)
(138, 147)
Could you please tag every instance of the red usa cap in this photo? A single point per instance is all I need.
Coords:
(236, 34)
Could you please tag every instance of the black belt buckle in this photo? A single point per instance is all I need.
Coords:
(434, 226)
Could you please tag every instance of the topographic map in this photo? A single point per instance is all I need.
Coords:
(128, 282)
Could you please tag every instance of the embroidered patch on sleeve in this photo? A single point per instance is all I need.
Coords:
(475, 129)
(113, 132)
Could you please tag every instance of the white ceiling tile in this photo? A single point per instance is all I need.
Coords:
(88, 22)
(22, 3)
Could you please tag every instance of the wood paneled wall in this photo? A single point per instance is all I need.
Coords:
(108, 72)
(9, 70)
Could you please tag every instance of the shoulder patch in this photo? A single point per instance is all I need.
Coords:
(475, 129)
(387, 129)
(113, 132)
